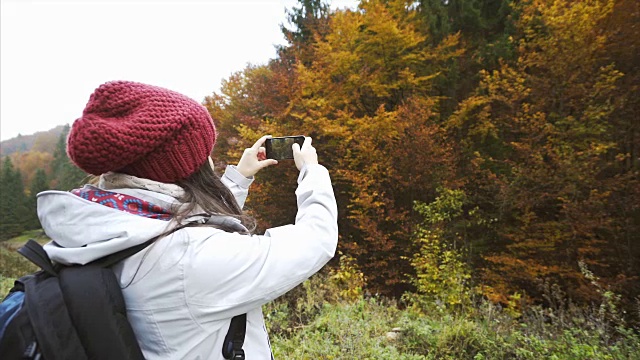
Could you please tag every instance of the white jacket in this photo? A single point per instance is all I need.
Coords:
(182, 291)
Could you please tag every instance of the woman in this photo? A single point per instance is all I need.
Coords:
(151, 148)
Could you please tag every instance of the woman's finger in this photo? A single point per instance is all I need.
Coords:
(268, 162)
(260, 142)
(307, 142)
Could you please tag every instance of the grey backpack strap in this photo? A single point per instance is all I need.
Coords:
(123, 254)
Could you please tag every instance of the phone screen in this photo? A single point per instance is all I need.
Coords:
(279, 148)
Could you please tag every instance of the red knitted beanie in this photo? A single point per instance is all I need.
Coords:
(141, 130)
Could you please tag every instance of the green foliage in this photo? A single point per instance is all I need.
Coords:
(446, 207)
(348, 279)
(40, 183)
(12, 264)
(307, 21)
(442, 277)
(36, 234)
(65, 175)
(375, 328)
(348, 331)
(17, 206)
(13, 202)
(301, 305)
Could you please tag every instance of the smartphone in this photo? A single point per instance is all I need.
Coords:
(279, 148)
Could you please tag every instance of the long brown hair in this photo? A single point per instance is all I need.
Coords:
(204, 192)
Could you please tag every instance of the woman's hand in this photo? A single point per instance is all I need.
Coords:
(254, 159)
(305, 155)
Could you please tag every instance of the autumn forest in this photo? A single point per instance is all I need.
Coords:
(494, 144)
(508, 131)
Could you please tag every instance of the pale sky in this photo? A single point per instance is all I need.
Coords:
(53, 54)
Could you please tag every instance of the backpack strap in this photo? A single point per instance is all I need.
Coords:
(55, 337)
(36, 254)
(114, 258)
(232, 346)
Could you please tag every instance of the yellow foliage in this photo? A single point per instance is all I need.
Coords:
(348, 279)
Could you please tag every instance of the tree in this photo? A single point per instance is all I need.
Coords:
(484, 27)
(29, 162)
(40, 183)
(13, 210)
(65, 175)
(309, 22)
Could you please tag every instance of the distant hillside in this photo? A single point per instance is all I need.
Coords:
(44, 141)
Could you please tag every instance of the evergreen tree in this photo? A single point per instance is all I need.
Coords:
(13, 208)
(309, 21)
(40, 183)
(485, 28)
(65, 175)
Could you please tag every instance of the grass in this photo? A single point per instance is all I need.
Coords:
(357, 329)
(18, 241)
(14, 265)
(320, 320)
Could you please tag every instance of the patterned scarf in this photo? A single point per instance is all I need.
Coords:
(144, 208)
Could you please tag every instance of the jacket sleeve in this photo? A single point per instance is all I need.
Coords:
(237, 183)
(230, 274)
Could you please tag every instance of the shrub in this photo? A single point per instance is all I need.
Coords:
(301, 305)
(441, 275)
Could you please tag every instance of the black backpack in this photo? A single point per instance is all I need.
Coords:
(77, 312)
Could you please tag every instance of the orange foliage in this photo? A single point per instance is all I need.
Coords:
(29, 162)
(544, 144)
